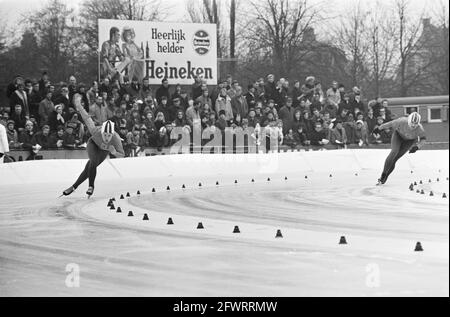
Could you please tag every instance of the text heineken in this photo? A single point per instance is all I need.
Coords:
(188, 72)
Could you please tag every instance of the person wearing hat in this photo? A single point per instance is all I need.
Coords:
(12, 135)
(57, 117)
(4, 144)
(104, 141)
(361, 134)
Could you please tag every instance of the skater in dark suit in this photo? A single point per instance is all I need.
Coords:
(408, 135)
(104, 141)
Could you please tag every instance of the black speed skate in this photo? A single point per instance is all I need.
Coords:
(68, 191)
(382, 180)
(90, 191)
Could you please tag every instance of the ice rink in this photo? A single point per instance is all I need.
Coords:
(313, 198)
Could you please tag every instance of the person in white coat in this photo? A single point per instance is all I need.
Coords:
(4, 146)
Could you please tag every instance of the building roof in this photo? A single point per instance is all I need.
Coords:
(412, 101)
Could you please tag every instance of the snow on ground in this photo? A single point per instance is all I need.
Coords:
(121, 255)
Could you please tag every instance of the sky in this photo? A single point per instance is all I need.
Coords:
(12, 10)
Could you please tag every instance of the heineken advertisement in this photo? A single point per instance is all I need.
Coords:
(176, 51)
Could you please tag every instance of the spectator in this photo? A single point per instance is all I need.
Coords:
(19, 97)
(239, 105)
(286, 114)
(193, 118)
(252, 120)
(250, 96)
(163, 91)
(296, 94)
(337, 135)
(69, 140)
(42, 138)
(144, 140)
(270, 88)
(204, 99)
(92, 93)
(77, 127)
(223, 102)
(56, 139)
(196, 87)
(361, 134)
(72, 87)
(316, 103)
(300, 136)
(12, 135)
(342, 91)
(98, 111)
(63, 98)
(384, 113)
(26, 140)
(145, 90)
(35, 98)
(57, 118)
(333, 98)
(319, 135)
(19, 118)
(357, 104)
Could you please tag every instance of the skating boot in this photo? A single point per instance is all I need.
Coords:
(90, 191)
(68, 191)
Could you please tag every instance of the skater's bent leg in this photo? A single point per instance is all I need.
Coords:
(92, 151)
(101, 156)
(404, 147)
(83, 176)
(389, 164)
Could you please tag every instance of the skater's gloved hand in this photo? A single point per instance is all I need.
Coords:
(112, 149)
(413, 149)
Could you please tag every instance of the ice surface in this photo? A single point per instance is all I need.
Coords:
(121, 255)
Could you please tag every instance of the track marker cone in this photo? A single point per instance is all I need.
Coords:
(217, 183)
(119, 210)
(168, 187)
(236, 229)
(253, 180)
(278, 235)
(199, 184)
(138, 192)
(128, 194)
(153, 190)
(121, 197)
(200, 226)
(415, 183)
(422, 192)
(183, 187)
(411, 187)
(343, 240)
(130, 214)
(431, 193)
(145, 217)
(285, 178)
(170, 221)
(112, 207)
(418, 247)
(444, 195)
(235, 181)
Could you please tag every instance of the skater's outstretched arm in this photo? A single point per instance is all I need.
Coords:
(86, 118)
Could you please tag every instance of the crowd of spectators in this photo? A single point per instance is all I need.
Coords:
(41, 114)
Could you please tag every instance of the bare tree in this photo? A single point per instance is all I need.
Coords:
(381, 49)
(206, 11)
(408, 46)
(351, 38)
(280, 28)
